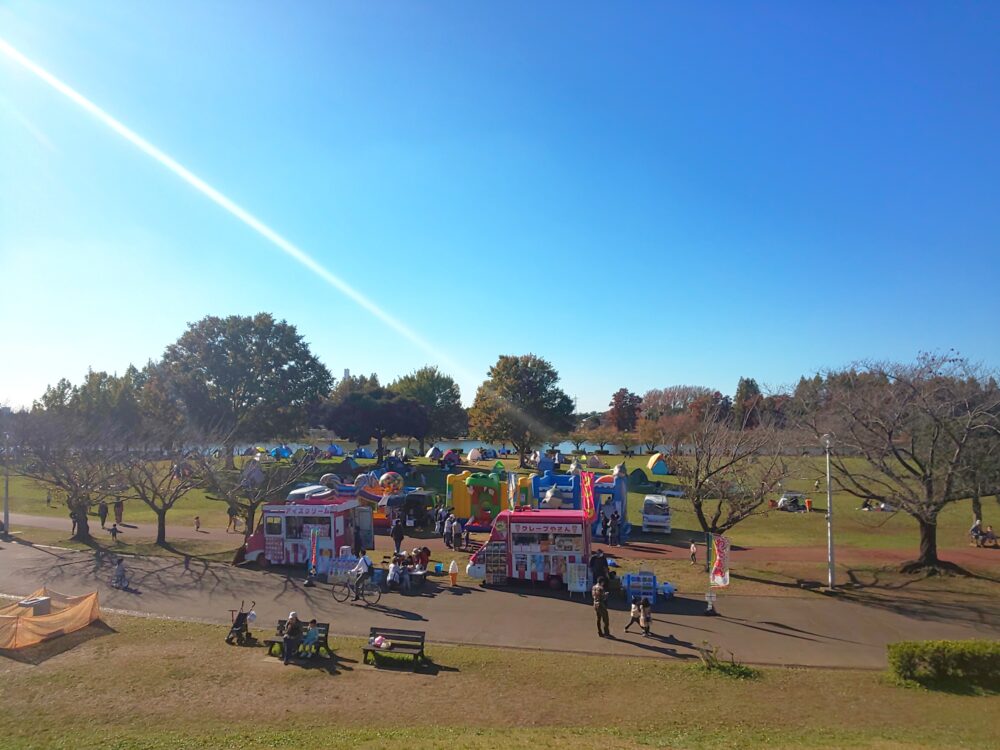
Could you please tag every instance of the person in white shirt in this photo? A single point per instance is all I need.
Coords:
(361, 572)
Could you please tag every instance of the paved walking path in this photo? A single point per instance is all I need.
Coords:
(811, 631)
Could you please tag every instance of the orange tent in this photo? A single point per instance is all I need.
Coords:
(21, 627)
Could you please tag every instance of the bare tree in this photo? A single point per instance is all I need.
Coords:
(246, 489)
(159, 484)
(56, 453)
(728, 469)
(924, 430)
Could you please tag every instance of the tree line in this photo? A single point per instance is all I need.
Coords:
(928, 431)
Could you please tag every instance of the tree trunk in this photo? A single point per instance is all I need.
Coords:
(161, 528)
(229, 447)
(977, 506)
(248, 529)
(928, 559)
(421, 443)
(82, 527)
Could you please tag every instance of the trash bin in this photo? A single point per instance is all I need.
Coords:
(439, 568)
(809, 505)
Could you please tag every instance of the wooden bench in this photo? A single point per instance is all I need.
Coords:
(403, 642)
(279, 640)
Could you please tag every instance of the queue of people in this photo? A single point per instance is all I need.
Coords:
(450, 528)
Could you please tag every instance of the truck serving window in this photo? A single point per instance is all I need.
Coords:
(272, 525)
(293, 527)
(525, 540)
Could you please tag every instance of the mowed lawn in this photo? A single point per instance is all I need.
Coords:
(156, 684)
(853, 528)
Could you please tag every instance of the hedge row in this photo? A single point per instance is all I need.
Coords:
(974, 663)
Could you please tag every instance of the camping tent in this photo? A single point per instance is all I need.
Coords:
(363, 453)
(434, 453)
(334, 450)
(475, 454)
(596, 463)
(45, 614)
(658, 464)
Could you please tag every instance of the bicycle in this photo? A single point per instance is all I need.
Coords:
(370, 592)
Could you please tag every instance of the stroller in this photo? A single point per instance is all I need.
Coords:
(240, 633)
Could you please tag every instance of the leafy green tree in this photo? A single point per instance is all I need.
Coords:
(441, 398)
(520, 403)
(379, 414)
(746, 403)
(624, 411)
(245, 378)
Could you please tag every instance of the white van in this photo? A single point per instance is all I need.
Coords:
(656, 514)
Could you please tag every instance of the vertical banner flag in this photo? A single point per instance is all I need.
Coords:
(511, 490)
(719, 575)
(313, 543)
(587, 494)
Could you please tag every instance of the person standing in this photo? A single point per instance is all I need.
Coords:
(598, 566)
(72, 518)
(449, 524)
(231, 512)
(102, 512)
(694, 553)
(600, 594)
(397, 534)
(456, 531)
(614, 529)
(114, 533)
(48, 498)
(119, 510)
(645, 615)
(197, 523)
(635, 614)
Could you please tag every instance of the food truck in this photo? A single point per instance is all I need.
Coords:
(285, 533)
(535, 545)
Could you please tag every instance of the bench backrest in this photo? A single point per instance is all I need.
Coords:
(401, 636)
(322, 627)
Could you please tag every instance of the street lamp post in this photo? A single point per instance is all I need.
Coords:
(831, 582)
(6, 487)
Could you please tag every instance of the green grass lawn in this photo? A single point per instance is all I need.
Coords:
(160, 684)
(210, 550)
(854, 528)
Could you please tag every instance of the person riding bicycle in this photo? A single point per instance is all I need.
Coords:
(120, 580)
(361, 572)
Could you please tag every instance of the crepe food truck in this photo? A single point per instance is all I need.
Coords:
(535, 545)
(314, 522)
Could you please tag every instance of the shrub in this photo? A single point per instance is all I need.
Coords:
(973, 664)
(711, 663)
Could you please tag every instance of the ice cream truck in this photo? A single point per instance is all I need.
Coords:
(535, 545)
(286, 531)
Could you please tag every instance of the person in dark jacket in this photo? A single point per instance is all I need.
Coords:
(397, 534)
(291, 637)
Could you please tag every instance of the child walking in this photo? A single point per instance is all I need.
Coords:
(197, 523)
(636, 613)
(645, 615)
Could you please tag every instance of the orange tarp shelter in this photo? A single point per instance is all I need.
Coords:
(20, 627)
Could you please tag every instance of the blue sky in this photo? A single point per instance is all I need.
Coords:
(646, 194)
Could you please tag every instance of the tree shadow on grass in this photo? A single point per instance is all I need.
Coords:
(42, 652)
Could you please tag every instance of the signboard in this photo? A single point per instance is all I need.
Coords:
(576, 577)
(495, 555)
(546, 528)
(719, 570)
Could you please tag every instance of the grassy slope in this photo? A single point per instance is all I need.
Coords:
(156, 684)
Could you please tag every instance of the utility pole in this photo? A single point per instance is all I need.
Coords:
(831, 580)
(6, 486)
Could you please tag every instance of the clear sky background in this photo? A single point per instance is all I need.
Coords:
(643, 193)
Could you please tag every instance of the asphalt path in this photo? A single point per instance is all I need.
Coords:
(809, 631)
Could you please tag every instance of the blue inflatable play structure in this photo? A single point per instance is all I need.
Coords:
(567, 485)
(610, 495)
